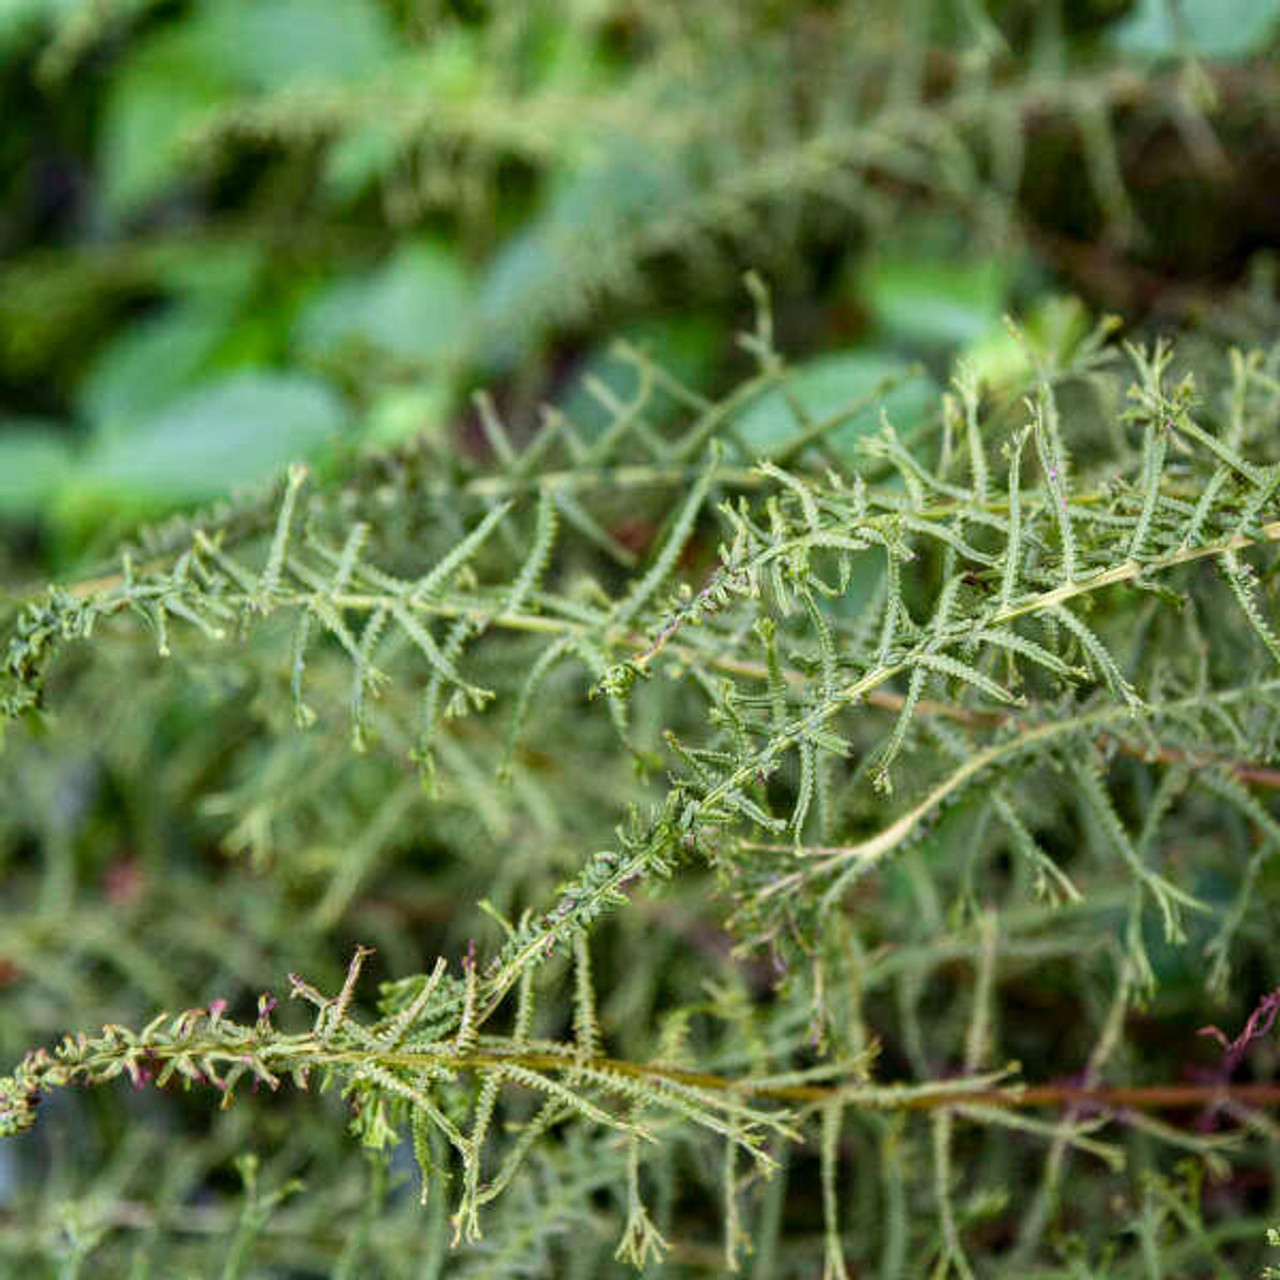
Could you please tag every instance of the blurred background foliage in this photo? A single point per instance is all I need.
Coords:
(237, 232)
(234, 233)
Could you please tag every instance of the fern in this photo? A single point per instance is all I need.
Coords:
(757, 758)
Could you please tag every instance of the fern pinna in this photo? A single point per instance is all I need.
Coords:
(808, 734)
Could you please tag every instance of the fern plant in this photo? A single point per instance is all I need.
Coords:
(722, 823)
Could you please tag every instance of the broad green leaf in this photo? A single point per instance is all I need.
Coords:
(402, 413)
(35, 459)
(829, 385)
(212, 271)
(229, 433)
(1209, 28)
(174, 79)
(933, 301)
(147, 365)
(265, 44)
(161, 92)
(523, 271)
(415, 307)
(19, 19)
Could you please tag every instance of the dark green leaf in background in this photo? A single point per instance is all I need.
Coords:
(1207, 28)
(415, 307)
(34, 460)
(829, 385)
(148, 365)
(228, 433)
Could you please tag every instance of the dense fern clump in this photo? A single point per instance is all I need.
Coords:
(767, 795)
(795, 804)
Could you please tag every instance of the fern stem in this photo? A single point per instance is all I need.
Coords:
(875, 847)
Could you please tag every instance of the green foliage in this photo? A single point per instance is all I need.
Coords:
(33, 461)
(211, 440)
(1072, 634)
(403, 199)
(1157, 28)
(708, 811)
